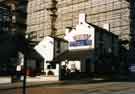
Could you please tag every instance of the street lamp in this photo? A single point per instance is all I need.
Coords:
(25, 66)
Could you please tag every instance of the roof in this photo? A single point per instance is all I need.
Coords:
(59, 39)
(100, 29)
(33, 54)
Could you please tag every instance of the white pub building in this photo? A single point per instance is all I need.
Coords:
(85, 49)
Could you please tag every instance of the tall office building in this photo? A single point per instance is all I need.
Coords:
(5, 18)
(12, 22)
(17, 10)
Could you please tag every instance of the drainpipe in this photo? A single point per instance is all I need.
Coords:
(53, 16)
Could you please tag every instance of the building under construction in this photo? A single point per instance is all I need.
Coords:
(51, 17)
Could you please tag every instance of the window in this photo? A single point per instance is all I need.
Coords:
(52, 66)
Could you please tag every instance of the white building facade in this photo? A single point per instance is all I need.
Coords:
(81, 53)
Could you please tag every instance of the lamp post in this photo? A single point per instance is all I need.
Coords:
(53, 16)
(25, 66)
(24, 76)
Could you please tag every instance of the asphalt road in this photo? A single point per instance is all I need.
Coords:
(90, 88)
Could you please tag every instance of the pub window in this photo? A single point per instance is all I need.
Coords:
(58, 47)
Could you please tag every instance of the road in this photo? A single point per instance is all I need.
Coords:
(90, 88)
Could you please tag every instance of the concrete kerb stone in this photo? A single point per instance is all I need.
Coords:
(52, 83)
(29, 84)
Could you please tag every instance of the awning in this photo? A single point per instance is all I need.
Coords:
(74, 55)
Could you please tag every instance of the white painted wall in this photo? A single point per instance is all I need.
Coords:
(45, 48)
(55, 71)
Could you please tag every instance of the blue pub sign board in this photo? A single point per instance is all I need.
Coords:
(82, 36)
(81, 40)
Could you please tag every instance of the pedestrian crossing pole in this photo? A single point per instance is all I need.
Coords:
(25, 66)
(24, 76)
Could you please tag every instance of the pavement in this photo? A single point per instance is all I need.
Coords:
(54, 83)
(80, 86)
(28, 84)
(85, 88)
(49, 83)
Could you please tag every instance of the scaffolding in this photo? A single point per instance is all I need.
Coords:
(99, 12)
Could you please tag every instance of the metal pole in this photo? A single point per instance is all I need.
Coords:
(24, 76)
